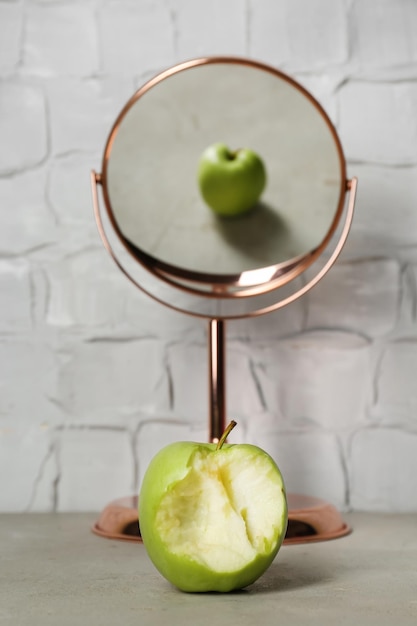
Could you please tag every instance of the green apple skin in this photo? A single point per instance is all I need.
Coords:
(172, 469)
(231, 183)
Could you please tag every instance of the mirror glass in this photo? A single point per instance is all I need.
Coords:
(149, 173)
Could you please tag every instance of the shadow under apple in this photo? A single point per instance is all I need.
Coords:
(282, 577)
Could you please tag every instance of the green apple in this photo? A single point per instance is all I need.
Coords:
(231, 182)
(212, 516)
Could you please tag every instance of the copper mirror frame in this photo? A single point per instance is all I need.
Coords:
(249, 282)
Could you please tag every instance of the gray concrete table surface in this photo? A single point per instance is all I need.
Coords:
(53, 570)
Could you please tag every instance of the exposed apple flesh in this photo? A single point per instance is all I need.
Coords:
(221, 488)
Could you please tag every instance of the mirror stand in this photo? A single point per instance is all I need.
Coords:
(217, 378)
(310, 519)
(216, 324)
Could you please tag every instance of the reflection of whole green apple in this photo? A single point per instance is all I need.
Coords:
(212, 517)
(231, 182)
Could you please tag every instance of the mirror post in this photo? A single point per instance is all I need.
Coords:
(217, 378)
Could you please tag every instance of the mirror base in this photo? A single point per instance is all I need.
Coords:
(309, 519)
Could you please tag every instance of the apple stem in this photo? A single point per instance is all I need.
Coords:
(225, 434)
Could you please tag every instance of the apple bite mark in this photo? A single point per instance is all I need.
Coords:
(225, 512)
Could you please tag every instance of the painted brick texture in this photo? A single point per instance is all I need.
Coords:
(95, 376)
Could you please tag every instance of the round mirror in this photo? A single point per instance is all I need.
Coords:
(151, 191)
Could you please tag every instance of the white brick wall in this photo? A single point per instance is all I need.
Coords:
(23, 126)
(135, 37)
(11, 22)
(94, 376)
(60, 38)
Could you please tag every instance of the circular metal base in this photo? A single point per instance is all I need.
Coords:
(309, 519)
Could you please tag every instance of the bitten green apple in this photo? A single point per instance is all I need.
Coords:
(212, 517)
(231, 182)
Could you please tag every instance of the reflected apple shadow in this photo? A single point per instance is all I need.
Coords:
(260, 233)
